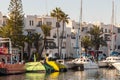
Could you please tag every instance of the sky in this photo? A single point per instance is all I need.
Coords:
(93, 10)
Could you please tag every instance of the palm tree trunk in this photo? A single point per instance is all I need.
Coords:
(62, 39)
(58, 40)
(29, 50)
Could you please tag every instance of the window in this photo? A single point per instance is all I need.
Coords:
(30, 22)
(118, 30)
(101, 29)
(73, 27)
(118, 46)
(49, 23)
(39, 23)
(105, 30)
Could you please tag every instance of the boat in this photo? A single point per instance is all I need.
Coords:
(102, 64)
(101, 61)
(117, 66)
(111, 59)
(58, 67)
(48, 68)
(11, 68)
(34, 67)
(9, 62)
(84, 62)
(68, 63)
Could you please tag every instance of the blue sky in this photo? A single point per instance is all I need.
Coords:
(93, 10)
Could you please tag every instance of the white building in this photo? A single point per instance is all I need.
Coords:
(34, 22)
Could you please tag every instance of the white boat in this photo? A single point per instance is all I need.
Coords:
(112, 59)
(85, 63)
(117, 65)
(102, 64)
(68, 64)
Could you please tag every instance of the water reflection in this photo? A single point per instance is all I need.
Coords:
(13, 77)
(35, 76)
(93, 74)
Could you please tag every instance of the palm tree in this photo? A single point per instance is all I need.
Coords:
(46, 31)
(37, 40)
(86, 42)
(57, 13)
(29, 39)
(96, 38)
(64, 18)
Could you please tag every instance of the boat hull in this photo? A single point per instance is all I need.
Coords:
(7, 69)
(102, 64)
(34, 67)
(83, 66)
(117, 66)
(57, 66)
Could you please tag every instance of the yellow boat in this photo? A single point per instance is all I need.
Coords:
(57, 66)
(34, 67)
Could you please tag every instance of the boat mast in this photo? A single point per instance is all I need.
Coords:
(78, 37)
(80, 27)
(112, 25)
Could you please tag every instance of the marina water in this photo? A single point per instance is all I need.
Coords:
(90, 74)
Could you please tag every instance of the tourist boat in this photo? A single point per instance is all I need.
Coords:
(85, 63)
(10, 68)
(9, 62)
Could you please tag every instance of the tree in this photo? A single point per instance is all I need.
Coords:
(57, 13)
(29, 39)
(86, 42)
(96, 38)
(64, 18)
(15, 22)
(5, 31)
(46, 31)
(37, 42)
